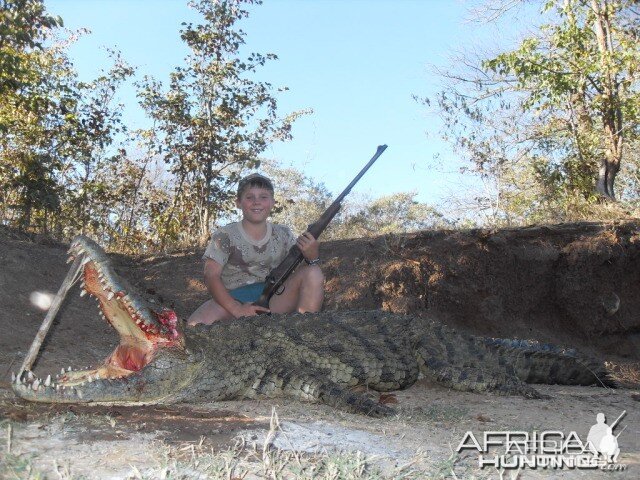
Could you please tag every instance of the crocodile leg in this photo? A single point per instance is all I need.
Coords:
(473, 379)
(317, 387)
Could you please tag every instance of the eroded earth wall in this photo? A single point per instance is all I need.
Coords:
(576, 284)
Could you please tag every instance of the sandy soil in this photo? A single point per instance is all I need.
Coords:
(551, 283)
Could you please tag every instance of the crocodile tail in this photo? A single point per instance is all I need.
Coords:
(535, 362)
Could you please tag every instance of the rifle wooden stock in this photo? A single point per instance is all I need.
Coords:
(276, 277)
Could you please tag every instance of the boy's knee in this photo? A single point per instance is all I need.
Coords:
(208, 313)
(314, 275)
(195, 318)
(200, 317)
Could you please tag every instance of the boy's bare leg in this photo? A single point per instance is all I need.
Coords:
(208, 313)
(303, 292)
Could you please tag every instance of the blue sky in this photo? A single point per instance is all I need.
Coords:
(356, 63)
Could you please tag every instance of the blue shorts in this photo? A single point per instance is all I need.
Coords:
(248, 293)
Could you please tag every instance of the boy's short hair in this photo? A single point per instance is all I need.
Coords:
(254, 180)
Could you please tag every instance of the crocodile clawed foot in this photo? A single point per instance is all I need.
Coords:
(378, 410)
(529, 392)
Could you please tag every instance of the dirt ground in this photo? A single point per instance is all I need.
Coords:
(577, 285)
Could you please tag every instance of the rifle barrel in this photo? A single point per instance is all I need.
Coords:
(381, 148)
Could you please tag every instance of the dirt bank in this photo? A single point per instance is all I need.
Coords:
(576, 285)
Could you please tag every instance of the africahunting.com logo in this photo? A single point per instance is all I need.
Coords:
(548, 449)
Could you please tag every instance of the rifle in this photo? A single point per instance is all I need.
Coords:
(276, 277)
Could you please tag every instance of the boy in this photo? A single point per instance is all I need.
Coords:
(241, 254)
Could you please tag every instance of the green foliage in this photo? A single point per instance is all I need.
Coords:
(395, 213)
(56, 149)
(299, 199)
(95, 124)
(52, 157)
(565, 102)
(215, 120)
(32, 118)
(23, 24)
(68, 163)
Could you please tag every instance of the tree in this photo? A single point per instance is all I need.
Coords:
(57, 130)
(299, 199)
(396, 213)
(583, 70)
(52, 155)
(23, 27)
(35, 83)
(94, 123)
(215, 120)
(565, 103)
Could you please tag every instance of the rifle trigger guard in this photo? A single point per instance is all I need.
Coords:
(280, 290)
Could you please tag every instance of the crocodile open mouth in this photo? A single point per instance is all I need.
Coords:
(143, 329)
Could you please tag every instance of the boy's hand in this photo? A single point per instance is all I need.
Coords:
(309, 246)
(248, 310)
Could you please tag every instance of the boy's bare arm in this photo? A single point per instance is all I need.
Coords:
(213, 281)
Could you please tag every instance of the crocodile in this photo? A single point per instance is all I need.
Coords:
(323, 357)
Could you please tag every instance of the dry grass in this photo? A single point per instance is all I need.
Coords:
(244, 460)
(625, 374)
(14, 466)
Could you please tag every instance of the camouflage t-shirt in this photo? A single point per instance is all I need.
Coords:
(245, 260)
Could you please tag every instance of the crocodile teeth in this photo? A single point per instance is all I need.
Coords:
(62, 371)
(86, 260)
(110, 295)
(13, 377)
(68, 369)
(79, 392)
(70, 259)
(36, 384)
(83, 292)
(47, 382)
(89, 379)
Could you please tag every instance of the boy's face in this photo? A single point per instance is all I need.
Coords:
(256, 204)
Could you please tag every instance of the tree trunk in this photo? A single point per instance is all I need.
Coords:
(174, 204)
(208, 174)
(606, 179)
(610, 110)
